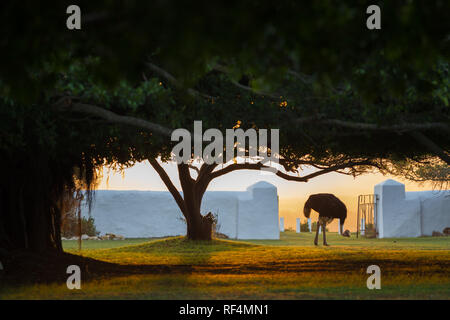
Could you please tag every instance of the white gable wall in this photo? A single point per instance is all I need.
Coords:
(258, 215)
(410, 214)
(435, 213)
(136, 214)
(251, 214)
(225, 205)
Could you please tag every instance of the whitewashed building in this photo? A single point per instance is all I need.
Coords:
(410, 214)
(250, 214)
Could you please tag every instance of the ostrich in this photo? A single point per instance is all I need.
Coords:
(329, 207)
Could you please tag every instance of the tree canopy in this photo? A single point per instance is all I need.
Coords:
(345, 98)
(326, 38)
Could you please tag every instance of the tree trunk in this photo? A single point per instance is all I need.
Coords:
(28, 223)
(199, 227)
(29, 209)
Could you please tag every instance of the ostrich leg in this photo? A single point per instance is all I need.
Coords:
(317, 234)
(324, 224)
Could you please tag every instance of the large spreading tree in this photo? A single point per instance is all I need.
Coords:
(345, 99)
(332, 129)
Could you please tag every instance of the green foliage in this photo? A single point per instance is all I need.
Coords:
(327, 38)
(78, 81)
(69, 228)
(370, 231)
(356, 75)
(304, 227)
(295, 60)
(70, 225)
(431, 171)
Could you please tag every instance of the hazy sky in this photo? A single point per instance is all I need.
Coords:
(292, 194)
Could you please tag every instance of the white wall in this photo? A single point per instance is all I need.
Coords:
(435, 210)
(410, 214)
(225, 205)
(251, 214)
(136, 214)
(258, 212)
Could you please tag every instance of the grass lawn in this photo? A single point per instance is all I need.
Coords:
(290, 268)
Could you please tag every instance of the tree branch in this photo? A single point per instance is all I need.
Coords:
(66, 104)
(224, 70)
(166, 179)
(166, 75)
(194, 168)
(374, 127)
(259, 166)
(205, 170)
(302, 77)
(430, 145)
(185, 177)
(204, 178)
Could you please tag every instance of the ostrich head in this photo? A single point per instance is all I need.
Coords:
(306, 210)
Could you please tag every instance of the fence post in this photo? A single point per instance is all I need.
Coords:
(282, 224)
(309, 224)
(339, 226)
(298, 227)
(357, 219)
(363, 226)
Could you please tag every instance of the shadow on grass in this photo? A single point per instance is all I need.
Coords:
(26, 267)
(212, 257)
